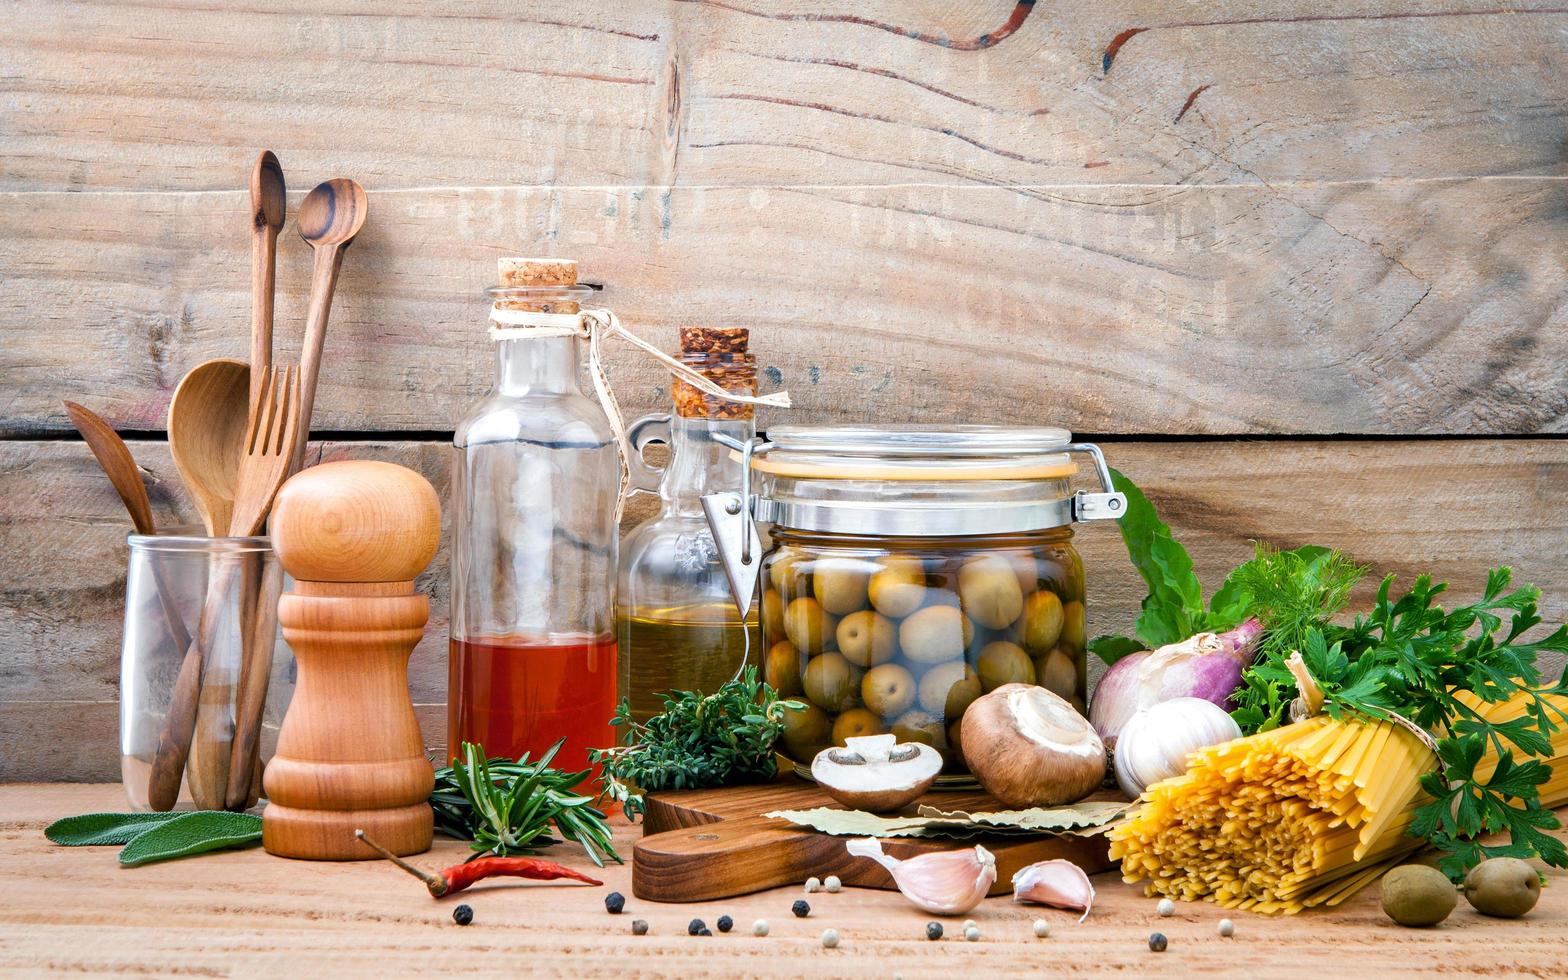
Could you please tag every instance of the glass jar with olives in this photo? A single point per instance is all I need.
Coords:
(911, 571)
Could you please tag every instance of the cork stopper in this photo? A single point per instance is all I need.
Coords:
(545, 275)
(720, 355)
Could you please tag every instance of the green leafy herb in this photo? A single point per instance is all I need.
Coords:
(1407, 656)
(150, 837)
(508, 807)
(98, 829)
(697, 741)
(192, 833)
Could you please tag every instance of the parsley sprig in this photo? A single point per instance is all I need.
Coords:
(699, 740)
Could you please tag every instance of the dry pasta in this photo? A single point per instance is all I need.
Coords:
(1300, 816)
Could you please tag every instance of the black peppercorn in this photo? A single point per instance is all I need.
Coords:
(462, 915)
(933, 930)
(695, 927)
(705, 931)
(1158, 942)
(726, 923)
(800, 908)
(614, 902)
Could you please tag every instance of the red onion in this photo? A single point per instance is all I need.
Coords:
(1207, 666)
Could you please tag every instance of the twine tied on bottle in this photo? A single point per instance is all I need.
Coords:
(595, 325)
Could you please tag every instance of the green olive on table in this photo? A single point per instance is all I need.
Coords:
(1503, 887)
(1417, 895)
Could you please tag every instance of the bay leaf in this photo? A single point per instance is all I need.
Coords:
(1079, 819)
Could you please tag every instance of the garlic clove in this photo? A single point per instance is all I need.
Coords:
(942, 882)
(1060, 884)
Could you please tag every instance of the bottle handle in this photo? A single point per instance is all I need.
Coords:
(648, 429)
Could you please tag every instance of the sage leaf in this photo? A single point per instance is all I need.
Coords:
(95, 829)
(194, 833)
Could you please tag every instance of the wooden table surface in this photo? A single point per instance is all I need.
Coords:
(246, 913)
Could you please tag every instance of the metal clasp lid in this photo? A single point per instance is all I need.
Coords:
(735, 528)
(1106, 505)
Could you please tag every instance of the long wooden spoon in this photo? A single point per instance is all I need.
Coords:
(268, 204)
(331, 215)
(120, 467)
(207, 421)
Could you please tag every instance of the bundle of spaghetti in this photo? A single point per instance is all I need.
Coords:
(1279, 821)
(1554, 792)
(1300, 816)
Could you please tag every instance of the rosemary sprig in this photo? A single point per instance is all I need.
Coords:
(697, 741)
(508, 807)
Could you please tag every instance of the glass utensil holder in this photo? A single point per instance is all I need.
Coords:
(201, 628)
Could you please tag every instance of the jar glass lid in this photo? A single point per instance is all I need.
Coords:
(939, 453)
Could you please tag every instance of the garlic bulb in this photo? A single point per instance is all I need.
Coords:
(1155, 742)
(1058, 883)
(942, 882)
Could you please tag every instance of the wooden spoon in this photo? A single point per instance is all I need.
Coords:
(120, 467)
(331, 215)
(207, 422)
(268, 204)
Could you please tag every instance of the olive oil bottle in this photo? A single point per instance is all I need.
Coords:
(676, 623)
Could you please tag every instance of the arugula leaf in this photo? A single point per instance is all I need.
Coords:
(1173, 609)
(1112, 648)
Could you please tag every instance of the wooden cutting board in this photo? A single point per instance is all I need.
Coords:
(714, 843)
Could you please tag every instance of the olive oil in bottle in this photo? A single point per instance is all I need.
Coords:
(692, 648)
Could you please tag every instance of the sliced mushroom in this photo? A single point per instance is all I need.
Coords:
(876, 773)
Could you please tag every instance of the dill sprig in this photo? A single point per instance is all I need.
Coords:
(699, 740)
(508, 807)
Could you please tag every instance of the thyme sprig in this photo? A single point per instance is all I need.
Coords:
(699, 740)
(508, 807)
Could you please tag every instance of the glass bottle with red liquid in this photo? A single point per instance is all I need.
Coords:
(535, 487)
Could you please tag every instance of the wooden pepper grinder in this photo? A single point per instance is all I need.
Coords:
(350, 756)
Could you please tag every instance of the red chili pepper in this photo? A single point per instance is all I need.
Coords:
(460, 876)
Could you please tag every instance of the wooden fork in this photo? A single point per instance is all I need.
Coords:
(269, 450)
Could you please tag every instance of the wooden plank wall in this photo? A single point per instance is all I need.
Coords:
(1298, 265)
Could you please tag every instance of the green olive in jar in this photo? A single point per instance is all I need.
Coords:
(829, 682)
(948, 688)
(867, 638)
(1001, 663)
(1027, 570)
(888, 690)
(773, 615)
(899, 587)
(787, 574)
(782, 670)
(921, 726)
(1075, 625)
(989, 592)
(806, 732)
(808, 626)
(1057, 672)
(839, 584)
(856, 722)
(1042, 622)
(934, 634)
